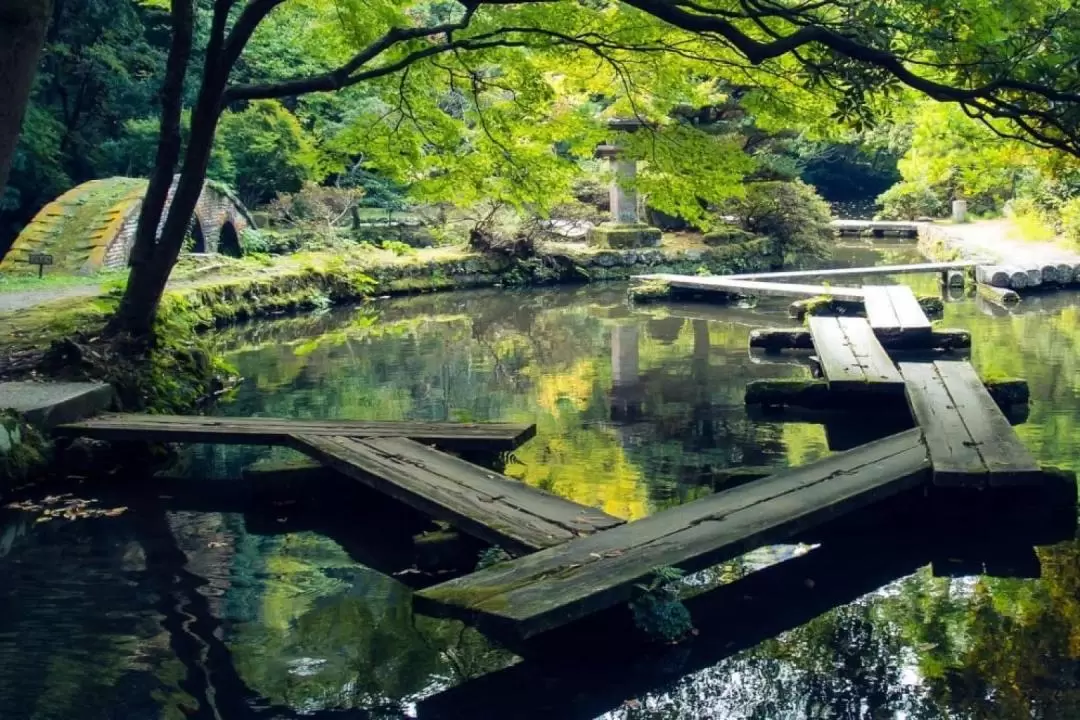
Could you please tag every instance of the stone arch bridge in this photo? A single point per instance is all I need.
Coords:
(92, 226)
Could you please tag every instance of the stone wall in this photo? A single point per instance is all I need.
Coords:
(92, 226)
(215, 212)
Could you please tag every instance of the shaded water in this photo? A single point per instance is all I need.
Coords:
(213, 597)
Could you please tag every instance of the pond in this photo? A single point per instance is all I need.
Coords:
(207, 598)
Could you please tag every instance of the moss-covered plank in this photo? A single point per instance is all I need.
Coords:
(1007, 461)
(955, 458)
(554, 587)
(477, 501)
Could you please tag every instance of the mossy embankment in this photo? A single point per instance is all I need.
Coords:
(178, 371)
(218, 291)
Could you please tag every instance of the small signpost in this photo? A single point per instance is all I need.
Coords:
(41, 260)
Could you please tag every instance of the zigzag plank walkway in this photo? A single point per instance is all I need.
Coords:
(478, 501)
(553, 587)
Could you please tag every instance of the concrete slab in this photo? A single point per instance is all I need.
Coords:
(47, 404)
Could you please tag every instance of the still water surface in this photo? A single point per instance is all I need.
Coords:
(205, 600)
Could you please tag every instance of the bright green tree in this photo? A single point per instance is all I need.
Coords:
(263, 150)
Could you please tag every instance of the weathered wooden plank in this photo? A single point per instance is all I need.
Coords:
(479, 502)
(754, 287)
(955, 459)
(556, 586)
(800, 339)
(1006, 459)
(913, 320)
(879, 310)
(857, 226)
(839, 364)
(935, 267)
(275, 431)
(876, 364)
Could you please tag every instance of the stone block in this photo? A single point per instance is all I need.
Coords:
(47, 404)
(727, 235)
(623, 236)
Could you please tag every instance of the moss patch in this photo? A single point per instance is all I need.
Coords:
(78, 222)
(650, 290)
(24, 452)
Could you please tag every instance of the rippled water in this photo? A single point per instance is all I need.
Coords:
(212, 596)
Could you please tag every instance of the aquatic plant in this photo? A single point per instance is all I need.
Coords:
(656, 607)
(492, 556)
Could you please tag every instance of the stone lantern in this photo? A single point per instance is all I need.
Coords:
(625, 228)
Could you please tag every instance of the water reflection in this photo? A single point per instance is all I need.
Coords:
(280, 600)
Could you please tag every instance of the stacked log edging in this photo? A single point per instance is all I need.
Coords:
(1040, 267)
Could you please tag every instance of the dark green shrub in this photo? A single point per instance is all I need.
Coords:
(909, 200)
(791, 213)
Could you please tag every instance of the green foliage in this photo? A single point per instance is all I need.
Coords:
(687, 170)
(397, 247)
(1070, 221)
(656, 607)
(790, 213)
(268, 242)
(23, 451)
(910, 200)
(98, 70)
(264, 151)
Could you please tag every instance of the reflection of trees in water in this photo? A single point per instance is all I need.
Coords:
(844, 664)
(993, 649)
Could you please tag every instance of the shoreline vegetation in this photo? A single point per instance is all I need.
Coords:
(180, 372)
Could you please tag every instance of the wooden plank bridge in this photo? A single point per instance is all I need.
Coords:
(877, 270)
(554, 587)
(851, 358)
(463, 437)
(572, 560)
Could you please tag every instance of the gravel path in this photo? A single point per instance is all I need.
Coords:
(22, 299)
(994, 240)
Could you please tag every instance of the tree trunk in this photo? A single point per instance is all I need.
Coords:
(146, 283)
(22, 35)
(153, 257)
(169, 138)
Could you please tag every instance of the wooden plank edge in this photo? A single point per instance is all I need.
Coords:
(314, 446)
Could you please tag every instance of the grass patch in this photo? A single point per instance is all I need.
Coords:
(1032, 227)
(28, 282)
